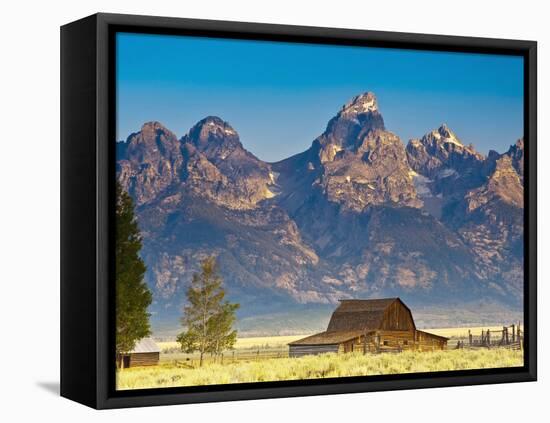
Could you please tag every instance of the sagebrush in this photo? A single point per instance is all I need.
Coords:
(319, 366)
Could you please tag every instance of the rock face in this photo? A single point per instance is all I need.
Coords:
(355, 163)
(490, 221)
(357, 214)
(516, 153)
(448, 165)
(441, 149)
(374, 172)
(219, 168)
(349, 126)
(151, 162)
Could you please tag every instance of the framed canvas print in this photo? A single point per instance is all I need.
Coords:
(256, 211)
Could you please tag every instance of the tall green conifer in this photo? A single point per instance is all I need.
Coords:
(133, 297)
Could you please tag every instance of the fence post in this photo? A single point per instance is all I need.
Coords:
(470, 337)
(514, 334)
(489, 338)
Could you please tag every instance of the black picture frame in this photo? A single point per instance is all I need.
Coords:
(87, 196)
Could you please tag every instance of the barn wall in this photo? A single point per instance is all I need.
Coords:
(300, 350)
(397, 317)
(144, 359)
(403, 340)
(428, 342)
(353, 345)
(395, 341)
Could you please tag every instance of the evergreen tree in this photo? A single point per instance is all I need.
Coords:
(208, 319)
(132, 294)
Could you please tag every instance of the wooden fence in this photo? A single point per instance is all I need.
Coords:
(192, 360)
(508, 337)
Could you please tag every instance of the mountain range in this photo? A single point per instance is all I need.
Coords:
(359, 214)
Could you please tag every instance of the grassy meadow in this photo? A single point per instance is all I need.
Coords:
(461, 332)
(172, 372)
(253, 343)
(317, 366)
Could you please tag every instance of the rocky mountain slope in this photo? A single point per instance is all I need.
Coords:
(358, 214)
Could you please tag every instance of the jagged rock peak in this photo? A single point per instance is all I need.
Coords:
(504, 168)
(212, 131)
(503, 184)
(212, 125)
(153, 126)
(362, 103)
(152, 132)
(444, 134)
(440, 154)
(350, 125)
(214, 122)
(154, 135)
(149, 162)
(516, 153)
(443, 139)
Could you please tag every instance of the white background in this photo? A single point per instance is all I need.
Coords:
(29, 213)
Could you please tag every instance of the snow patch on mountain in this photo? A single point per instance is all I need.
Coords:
(363, 103)
(445, 173)
(422, 185)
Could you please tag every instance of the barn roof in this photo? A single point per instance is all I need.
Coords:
(433, 335)
(360, 314)
(328, 338)
(145, 345)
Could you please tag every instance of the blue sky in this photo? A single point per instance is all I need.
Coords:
(280, 96)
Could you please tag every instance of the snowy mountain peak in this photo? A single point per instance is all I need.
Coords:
(363, 103)
(214, 124)
(212, 131)
(444, 134)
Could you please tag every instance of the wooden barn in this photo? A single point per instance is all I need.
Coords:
(145, 353)
(369, 326)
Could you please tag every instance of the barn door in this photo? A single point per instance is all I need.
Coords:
(126, 361)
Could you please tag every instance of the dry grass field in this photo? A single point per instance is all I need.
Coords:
(170, 372)
(171, 349)
(255, 343)
(278, 341)
(314, 367)
(461, 332)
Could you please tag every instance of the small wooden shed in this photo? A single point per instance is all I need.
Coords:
(145, 353)
(375, 325)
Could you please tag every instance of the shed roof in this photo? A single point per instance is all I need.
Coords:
(360, 314)
(145, 345)
(433, 335)
(328, 338)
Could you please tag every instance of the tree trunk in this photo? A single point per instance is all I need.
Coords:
(200, 361)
